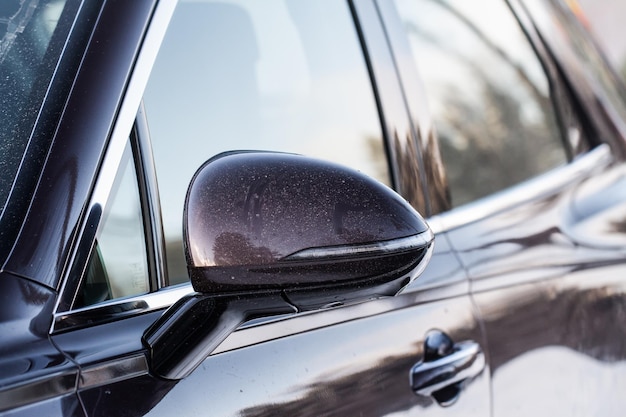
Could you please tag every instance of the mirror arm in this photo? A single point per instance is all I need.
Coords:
(192, 328)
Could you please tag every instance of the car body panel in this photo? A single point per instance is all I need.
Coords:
(33, 369)
(358, 367)
(545, 257)
(556, 304)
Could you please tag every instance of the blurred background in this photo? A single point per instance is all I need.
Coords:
(606, 21)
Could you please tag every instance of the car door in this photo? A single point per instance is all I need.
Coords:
(314, 78)
(536, 202)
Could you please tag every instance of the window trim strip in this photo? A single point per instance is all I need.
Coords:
(528, 190)
(118, 309)
(116, 144)
(41, 389)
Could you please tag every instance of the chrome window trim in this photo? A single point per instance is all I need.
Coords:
(119, 308)
(39, 389)
(151, 202)
(529, 190)
(413, 242)
(256, 331)
(113, 371)
(119, 136)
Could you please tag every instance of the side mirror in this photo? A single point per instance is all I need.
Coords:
(272, 233)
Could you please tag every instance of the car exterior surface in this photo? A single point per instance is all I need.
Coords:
(164, 251)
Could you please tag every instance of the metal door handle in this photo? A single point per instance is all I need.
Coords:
(465, 360)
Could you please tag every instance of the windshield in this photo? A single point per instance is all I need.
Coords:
(27, 62)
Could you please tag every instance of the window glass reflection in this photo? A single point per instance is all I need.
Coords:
(276, 75)
(118, 266)
(488, 94)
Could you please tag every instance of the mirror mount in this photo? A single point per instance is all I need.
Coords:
(193, 327)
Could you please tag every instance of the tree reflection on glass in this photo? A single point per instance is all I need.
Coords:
(488, 94)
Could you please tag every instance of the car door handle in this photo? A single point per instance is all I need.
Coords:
(464, 361)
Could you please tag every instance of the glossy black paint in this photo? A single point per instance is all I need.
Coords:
(192, 328)
(88, 117)
(550, 297)
(546, 273)
(32, 369)
(48, 118)
(356, 367)
(272, 233)
(68, 141)
(259, 221)
(545, 303)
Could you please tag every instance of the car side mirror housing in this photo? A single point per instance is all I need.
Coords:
(271, 233)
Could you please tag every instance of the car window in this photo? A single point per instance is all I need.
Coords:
(487, 91)
(118, 264)
(275, 75)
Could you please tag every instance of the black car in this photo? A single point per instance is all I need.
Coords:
(216, 208)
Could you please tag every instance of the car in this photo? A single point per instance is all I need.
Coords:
(323, 208)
